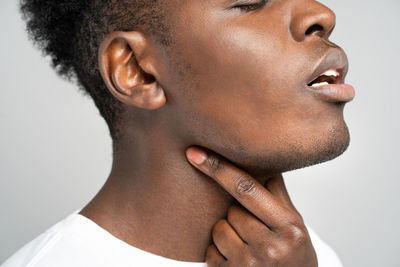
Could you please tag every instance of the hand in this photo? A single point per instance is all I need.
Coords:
(266, 231)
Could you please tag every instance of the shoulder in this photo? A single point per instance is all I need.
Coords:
(59, 245)
(327, 257)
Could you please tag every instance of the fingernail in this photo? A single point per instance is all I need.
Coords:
(196, 155)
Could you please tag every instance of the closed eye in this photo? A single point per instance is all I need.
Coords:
(251, 6)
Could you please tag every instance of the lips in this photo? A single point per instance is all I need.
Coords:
(327, 80)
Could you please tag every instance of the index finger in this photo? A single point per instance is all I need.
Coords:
(247, 190)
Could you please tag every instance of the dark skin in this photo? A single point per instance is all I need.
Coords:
(235, 83)
(266, 231)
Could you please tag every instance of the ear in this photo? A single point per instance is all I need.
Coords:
(127, 67)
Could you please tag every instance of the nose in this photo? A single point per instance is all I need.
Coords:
(311, 18)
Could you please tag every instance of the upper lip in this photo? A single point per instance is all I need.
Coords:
(334, 59)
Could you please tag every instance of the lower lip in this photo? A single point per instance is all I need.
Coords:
(334, 92)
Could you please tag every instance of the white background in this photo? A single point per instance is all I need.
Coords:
(55, 152)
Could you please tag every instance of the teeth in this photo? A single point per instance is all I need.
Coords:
(331, 73)
(319, 84)
(328, 77)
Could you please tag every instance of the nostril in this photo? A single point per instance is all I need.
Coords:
(315, 28)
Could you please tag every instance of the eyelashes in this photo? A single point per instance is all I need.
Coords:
(250, 7)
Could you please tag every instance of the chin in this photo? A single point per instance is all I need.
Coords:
(323, 148)
(298, 152)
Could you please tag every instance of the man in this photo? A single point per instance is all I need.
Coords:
(206, 101)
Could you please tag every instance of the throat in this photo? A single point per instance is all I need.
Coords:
(168, 215)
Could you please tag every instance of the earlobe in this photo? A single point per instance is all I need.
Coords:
(127, 71)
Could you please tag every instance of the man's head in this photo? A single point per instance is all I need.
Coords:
(229, 75)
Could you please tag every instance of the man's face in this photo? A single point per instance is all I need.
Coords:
(236, 82)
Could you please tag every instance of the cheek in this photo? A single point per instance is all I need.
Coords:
(242, 86)
(239, 90)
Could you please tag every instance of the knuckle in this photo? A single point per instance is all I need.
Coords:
(300, 236)
(278, 253)
(252, 263)
(273, 255)
(245, 186)
(297, 234)
(249, 260)
(215, 164)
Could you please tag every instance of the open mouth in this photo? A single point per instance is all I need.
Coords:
(331, 76)
(327, 80)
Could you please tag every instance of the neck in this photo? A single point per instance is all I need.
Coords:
(156, 201)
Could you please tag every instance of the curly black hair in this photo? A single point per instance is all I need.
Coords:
(70, 32)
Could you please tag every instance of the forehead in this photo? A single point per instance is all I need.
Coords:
(196, 11)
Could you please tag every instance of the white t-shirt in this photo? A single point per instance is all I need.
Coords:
(77, 241)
